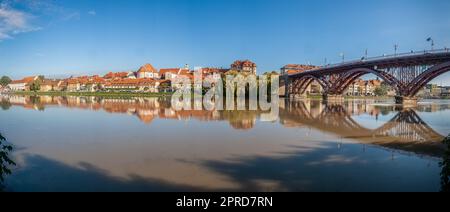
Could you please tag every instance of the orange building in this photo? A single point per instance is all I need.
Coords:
(297, 68)
(147, 71)
(245, 66)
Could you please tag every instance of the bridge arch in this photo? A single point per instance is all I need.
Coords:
(352, 75)
(405, 125)
(301, 84)
(426, 77)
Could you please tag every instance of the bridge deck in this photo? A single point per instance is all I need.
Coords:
(415, 58)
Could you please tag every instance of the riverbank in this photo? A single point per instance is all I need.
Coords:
(99, 94)
(354, 97)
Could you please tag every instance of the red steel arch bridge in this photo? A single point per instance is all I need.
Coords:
(407, 73)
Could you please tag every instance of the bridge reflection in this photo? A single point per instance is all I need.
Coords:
(405, 131)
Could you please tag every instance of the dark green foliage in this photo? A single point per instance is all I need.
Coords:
(35, 86)
(5, 161)
(445, 164)
(382, 90)
(4, 81)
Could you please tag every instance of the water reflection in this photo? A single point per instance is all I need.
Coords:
(76, 146)
(146, 109)
(405, 131)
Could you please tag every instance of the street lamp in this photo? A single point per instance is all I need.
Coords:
(395, 49)
(343, 57)
(432, 43)
(366, 53)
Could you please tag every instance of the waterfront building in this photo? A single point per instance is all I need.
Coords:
(122, 84)
(49, 85)
(173, 73)
(147, 71)
(363, 87)
(73, 85)
(297, 68)
(112, 75)
(244, 66)
(214, 73)
(23, 84)
(434, 90)
(370, 86)
(356, 88)
(138, 85)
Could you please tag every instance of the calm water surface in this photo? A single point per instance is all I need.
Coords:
(141, 144)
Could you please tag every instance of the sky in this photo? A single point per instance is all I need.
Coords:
(66, 37)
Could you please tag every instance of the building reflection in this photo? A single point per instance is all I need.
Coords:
(146, 109)
(397, 128)
(406, 130)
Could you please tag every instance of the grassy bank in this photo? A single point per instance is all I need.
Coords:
(353, 97)
(100, 94)
(369, 97)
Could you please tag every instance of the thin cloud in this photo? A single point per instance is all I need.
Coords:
(71, 16)
(39, 54)
(31, 16)
(92, 12)
(13, 22)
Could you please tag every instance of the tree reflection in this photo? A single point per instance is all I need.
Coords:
(5, 104)
(445, 164)
(5, 161)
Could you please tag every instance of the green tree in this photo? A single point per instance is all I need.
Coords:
(35, 86)
(5, 161)
(5, 80)
(381, 91)
(99, 87)
(5, 105)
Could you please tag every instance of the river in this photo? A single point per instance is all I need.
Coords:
(142, 144)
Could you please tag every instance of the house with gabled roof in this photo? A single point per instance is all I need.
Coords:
(147, 71)
(23, 84)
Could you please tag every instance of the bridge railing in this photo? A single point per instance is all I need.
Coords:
(368, 59)
(412, 53)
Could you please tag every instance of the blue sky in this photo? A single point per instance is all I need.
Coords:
(90, 36)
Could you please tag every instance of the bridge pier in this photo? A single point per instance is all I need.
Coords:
(406, 101)
(333, 98)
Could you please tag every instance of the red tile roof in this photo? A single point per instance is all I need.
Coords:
(112, 75)
(243, 63)
(213, 70)
(50, 82)
(24, 80)
(131, 82)
(147, 68)
(163, 71)
(297, 68)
